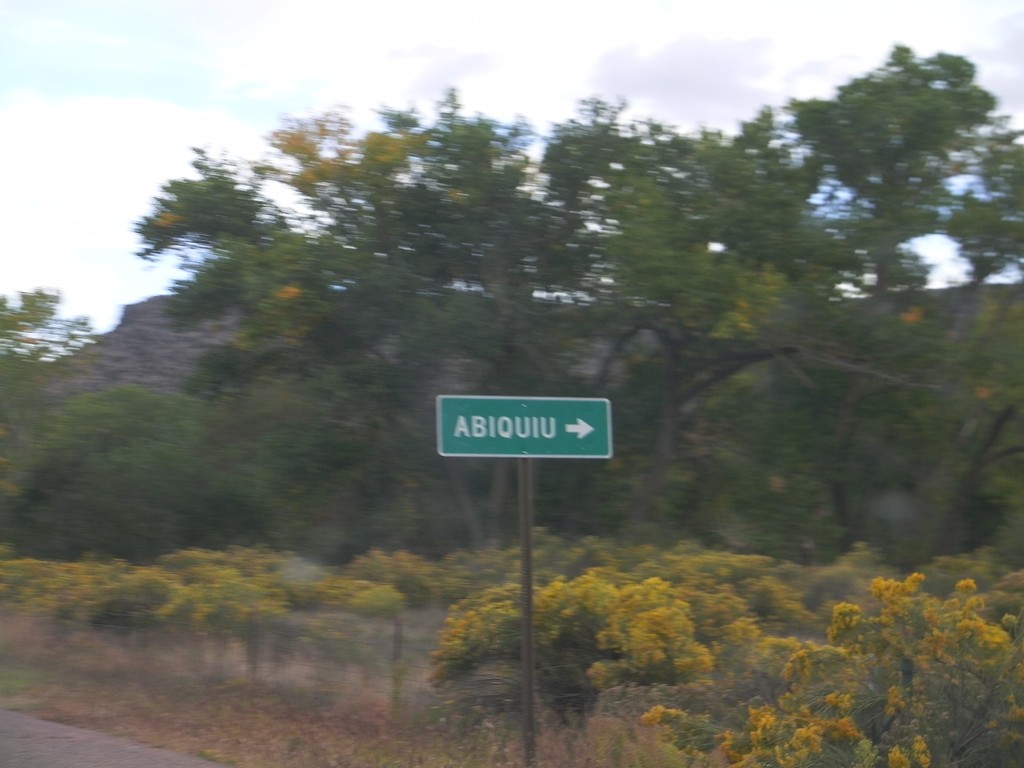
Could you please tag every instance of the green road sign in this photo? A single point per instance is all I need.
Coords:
(548, 427)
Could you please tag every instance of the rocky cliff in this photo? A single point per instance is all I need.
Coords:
(146, 349)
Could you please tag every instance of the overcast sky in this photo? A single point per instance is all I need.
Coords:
(100, 100)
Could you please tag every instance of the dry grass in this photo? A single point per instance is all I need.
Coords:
(170, 694)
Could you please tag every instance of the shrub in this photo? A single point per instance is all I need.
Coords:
(926, 680)
(419, 580)
(380, 601)
(591, 633)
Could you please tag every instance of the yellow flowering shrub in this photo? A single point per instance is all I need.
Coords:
(222, 599)
(907, 680)
(68, 591)
(712, 650)
(134, 598)
(649, 633)
(811, 723)
(793, 736)
(226, 592)
(378, 600)
(777, 603)
(591, 633)
(722, 587)
(479, 629)
(419, 580)
(694, 735)
(936, 677)
(751, 664)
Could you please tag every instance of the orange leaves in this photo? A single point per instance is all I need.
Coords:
(389, 150)
(912, 315)
(315, 149)
(168, 219)
(295, 143)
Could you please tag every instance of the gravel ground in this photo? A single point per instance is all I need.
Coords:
(27, 742)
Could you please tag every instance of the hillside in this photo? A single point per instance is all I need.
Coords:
(148, 349)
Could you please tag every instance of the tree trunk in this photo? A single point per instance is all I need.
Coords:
(852, 523)
(665, 447)
(498, 499)
(954, 534)
(464, 502)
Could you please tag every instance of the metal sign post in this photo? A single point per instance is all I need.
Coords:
(525, 467)
(525, 427)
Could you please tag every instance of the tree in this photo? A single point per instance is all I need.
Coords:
(679, 280)
(128, 473)
(415, 255)
(886, 145)
(986, 220)
(753, 303)
(36, 345)
(888, 149)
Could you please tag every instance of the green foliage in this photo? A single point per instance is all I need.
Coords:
(193, 217)
(31, 330)
(913, 678)
(415, 579)
(713, 628)
(379, 600)
(123, 473)
(754, 304)
(885, 145)
(594, 632)
(986, 219)
(36, 348)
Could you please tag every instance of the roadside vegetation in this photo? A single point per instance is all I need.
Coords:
(645, 657)
(804, 553)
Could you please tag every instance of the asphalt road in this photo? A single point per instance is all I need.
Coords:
(27, 742)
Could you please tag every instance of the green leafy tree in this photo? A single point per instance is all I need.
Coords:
(886, 146)
(36, 345)
(680, 282)
(417, 257)
(127, 473)
(888, 149)
(986, 221)
(783, 381)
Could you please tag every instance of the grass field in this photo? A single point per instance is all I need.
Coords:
(193, 696)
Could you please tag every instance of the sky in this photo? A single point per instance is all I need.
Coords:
(101, 101)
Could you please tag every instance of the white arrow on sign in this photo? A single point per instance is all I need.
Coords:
(581, 428)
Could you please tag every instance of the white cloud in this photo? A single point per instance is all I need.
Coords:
(693, 80)
(77, 175)
(1001, 65)
(81, 155)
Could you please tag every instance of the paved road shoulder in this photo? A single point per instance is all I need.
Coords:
(28, 742)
